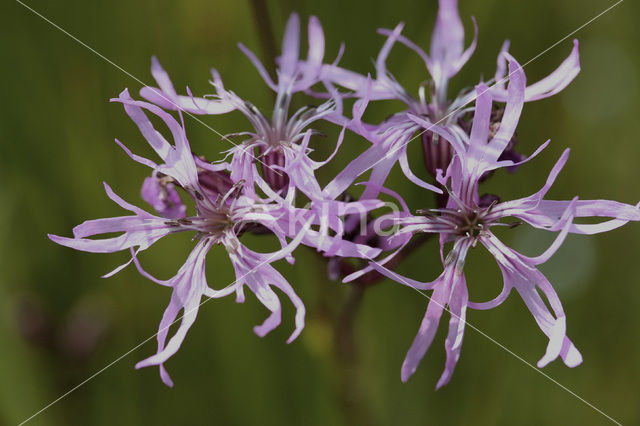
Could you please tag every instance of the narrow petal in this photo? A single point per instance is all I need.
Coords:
(566, 222)
(378, 266)
(122, 203)
(480, 155)
(358, 166)
(290, 47)
(278, 280)
(481, 119)
(441, 131)
(188, 287)
(406, 169)
(256, 63)
(411, 45)
(178, 158)
(166, 352)
(168, 318)
(509, 163)
(557, 336)
(270, 300)
(381, 60)
(255, 270)
(447, 40)
(162, 78)
(142, 239)
(426, 333)
(373, 265)
(558, 79)
(166, 96)
(315, 54)
(190, 104)
(155, 138)
(136, 157)
(545, 215)
(453, 343)
(523, 205)
(497, 301)
(526, 279)
(501, 69)
(457, 65)
(513, 108)
(551, 84)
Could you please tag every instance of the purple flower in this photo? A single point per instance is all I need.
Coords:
(221, 218)
(166, 96)
(389, 142)
(294, 75)
(447, 56)
(163, 197)
(548, 86)
(236, 195)
(281, 143)
(283, 140)
(467, 221)
(274, 141)
(218, 223)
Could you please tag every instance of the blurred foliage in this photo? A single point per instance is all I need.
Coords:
(60, 322)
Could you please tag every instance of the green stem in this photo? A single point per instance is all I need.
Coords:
(265, 34)
(350, 395)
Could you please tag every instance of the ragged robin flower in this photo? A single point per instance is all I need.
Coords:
(468, 220)
(275, 141)
(446, 57)
(219, 219)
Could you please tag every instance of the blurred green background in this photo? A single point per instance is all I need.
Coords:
(60, 322)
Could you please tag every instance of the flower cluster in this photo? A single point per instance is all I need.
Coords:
(257, 186)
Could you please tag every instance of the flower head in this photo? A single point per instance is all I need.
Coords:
(220, 219)
(255, 186)
(274, 140)
(446, 57)
(467, 221)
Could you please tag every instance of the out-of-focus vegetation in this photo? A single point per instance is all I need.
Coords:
(60, 322)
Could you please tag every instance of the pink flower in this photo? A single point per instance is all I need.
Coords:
(220, 219)
(467, 221)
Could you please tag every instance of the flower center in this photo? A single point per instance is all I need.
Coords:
(465, 222)
(214, 224)
(470, 223)
(217, 222)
